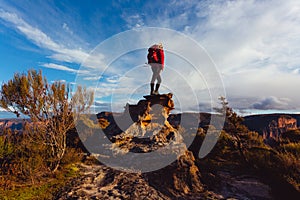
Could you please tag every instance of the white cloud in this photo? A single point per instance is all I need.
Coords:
(59, 81)
(69, 55)
(271, 103)
(247, 34)
(133, 21)
(42, 40)
(64, 68)
(92, 78)
(113, 79)
(67, 28)
(59, 67)
(259, 83)
(34, 34)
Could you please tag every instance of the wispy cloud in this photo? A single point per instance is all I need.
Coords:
(67, 28)
(134, 21)
(92, 78)
(90, 62)
(59, 81)
(252, 34)
(64, 68)
(42, 40)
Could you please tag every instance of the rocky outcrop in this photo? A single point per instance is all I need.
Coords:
(277, 127)
(270, 126)
(181, 178)
(153, 147)
(159, 106)
(286, 122)
(150, 129)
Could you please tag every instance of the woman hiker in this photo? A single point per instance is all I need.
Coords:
(156, 61)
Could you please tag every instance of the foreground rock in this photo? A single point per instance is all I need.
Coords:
(101, 182)
(231, 184)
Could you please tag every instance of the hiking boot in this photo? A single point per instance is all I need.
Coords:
(156, 89)
(152, 88)
(155, 92)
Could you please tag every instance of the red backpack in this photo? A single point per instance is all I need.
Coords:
(152, 55)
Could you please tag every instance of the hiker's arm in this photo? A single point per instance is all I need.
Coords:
(162, 57)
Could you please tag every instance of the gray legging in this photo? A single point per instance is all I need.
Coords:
(156, 69)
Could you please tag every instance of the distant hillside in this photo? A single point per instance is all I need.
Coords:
(259, 123)
(14, 123)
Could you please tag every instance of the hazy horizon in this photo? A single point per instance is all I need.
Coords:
(9, 115)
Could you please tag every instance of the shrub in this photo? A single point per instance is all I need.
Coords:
(292, 147)
(50, 108)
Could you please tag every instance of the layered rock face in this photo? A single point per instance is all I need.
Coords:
(150, 128)
(279, 126)
(287, 122)
(159, 106)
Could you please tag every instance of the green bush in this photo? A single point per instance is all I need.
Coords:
(6, 148)
(291, 135)
(291, 147)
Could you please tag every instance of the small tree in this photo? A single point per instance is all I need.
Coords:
(233, 125)
(49, 106)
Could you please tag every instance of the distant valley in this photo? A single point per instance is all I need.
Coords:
(267, 125)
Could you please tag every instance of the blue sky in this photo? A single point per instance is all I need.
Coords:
(255, 46)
